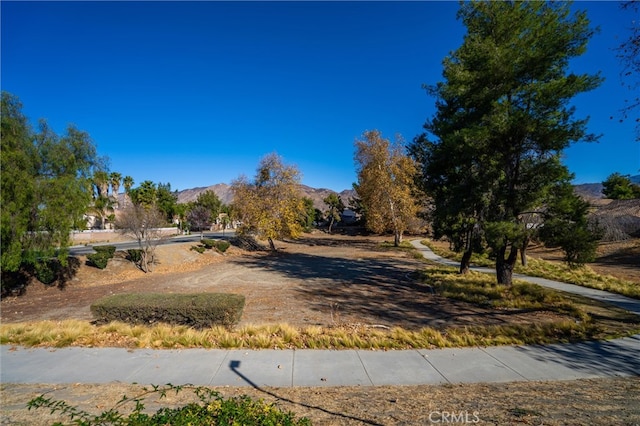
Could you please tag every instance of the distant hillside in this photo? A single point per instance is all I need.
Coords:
(592, 191)
(223, 191)
(589, 190)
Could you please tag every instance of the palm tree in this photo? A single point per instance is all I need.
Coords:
(114, 179)
(127, 182)
(101, 181)
(103, 209)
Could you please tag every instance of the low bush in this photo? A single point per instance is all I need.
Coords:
(195, 310)
(199, 249)
(101, 257)
(134, 255)
(218, 245)
(99, 260)
(47, 270)
(108, 250)
(222, 246)
(211, 409)
(207, 243)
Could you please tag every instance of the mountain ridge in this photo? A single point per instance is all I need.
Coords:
(223, 191)
(589, 191)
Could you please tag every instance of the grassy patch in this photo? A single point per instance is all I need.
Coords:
(584, 276)
(481, 289)
(476, 259)
(404, 246)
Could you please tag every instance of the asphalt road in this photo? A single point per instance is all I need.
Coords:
(125, 245)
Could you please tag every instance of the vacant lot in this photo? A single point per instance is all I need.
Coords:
(318, 280)
(327, 280)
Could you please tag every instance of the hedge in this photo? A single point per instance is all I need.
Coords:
(199, 310)
(110, 250)
(99, 260)
(220, 246)
(101, 257)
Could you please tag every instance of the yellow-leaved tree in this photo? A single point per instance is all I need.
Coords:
(271, 205)
(386, 184)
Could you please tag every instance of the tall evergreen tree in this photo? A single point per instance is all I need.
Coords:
(503, 117)
(620, 187)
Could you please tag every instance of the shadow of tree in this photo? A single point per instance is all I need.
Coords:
(628, 257)
(234, 366)
(373, 290)
(617, 357)
(58, 275)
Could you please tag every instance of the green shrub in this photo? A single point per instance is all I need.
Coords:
(196, 310)
(47, 270)
(134, 255)
(222, 246)
(101, 257)
(212, 409)
(199, 249)
(99, 260)
(107, 250)
(208, 243)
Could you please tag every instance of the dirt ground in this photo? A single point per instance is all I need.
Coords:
(318, 280)
(328, 280)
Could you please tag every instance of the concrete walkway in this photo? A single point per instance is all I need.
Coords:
(284, 368)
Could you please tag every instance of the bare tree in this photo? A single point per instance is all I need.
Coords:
(199, 217)
(144, 225)
(629, 55)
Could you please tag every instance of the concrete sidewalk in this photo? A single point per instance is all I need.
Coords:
(285, 368)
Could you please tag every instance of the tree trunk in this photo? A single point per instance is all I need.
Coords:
(523, 252)
(465, 262)
(504, 267)
(143, 261)
(330, 225)
(397, 238)
(272, 245)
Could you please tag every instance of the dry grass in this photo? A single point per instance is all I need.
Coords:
(584, 276)
(284, 336)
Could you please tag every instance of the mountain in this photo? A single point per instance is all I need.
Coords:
(589, 191)
(592, 191)
(223, 191)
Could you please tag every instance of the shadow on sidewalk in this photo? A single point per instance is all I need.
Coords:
(234, 365)
(612, 357)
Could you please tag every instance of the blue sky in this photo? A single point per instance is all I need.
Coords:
(196, 93)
